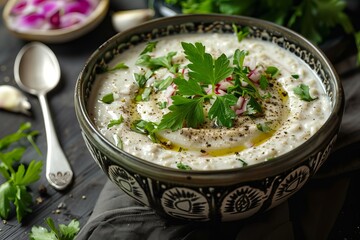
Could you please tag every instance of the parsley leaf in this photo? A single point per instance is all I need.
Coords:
(189, 87)
(184, 111)
(108, 98)
(146, 128)
(264, 127)
(203, 68)
(156, 63)
(163, 84)
(118, 66)
(150, 46)
(240, 33)
(62, 232)
(272, 71)
(302, 91)
(264, 83)
(296, 76)
(182, 166)
(114, 122)
(221, 112)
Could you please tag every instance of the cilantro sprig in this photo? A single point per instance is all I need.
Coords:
(14, 191)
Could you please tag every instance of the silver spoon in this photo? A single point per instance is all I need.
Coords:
(37, 72)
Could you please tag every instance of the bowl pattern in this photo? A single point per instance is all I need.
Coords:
(189, 198)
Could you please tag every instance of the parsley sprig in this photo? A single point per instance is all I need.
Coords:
(14, 191)
(60, 232)
(187, 108)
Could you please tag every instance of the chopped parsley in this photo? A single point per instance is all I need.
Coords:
(152, 63)
(272, 71)
(240, 33)
(146, 128)
(296, 76)
(108, 98)
(182, 166)
(161, 85)
(244, 163)
(115, 122)
(118, 66)
(150, 46)
(264, 127)
(303, 92)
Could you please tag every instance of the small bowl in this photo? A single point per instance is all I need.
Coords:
(58, 35)
(217, 195)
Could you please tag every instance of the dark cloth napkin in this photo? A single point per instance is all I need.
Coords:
(309, 214)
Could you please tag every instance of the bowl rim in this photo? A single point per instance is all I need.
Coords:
(62, 34)
(263, 169)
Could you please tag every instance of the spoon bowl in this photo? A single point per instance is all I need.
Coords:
(37, 71)
(45, 74)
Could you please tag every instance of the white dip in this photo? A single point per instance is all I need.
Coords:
(286, 121)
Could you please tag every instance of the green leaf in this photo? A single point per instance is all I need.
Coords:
(202, 67)
(146, 128)
(163, 84)
(41, 233)
(303, 92)
(118, 66)
(150, 46)
(240, 33)
(184, 111)
(244, 163)
(182, 166)
(69, 232)
(155, 63)
(145, 95)
(272, 71)
(23, 201)
(115, 122)
(31, 175)
(264, 83)
(188, 87)
(222, 68)
(62, 232)
(263, 127)
(253, 107)
(239, 57)
(9, 158)
(108, 98)
(162, 105)
(53, 228)
(221, 110)
(22, 132)
(296, 76)
(7, 193)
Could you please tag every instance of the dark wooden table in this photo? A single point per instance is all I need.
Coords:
(79, 199)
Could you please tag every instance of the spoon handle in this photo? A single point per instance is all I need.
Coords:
(58, 170)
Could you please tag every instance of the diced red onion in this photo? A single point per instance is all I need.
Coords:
(50, 14)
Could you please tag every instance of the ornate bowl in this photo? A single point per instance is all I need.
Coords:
(221, 195)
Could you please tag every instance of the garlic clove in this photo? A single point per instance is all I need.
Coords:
(12, 99)
(123, 20)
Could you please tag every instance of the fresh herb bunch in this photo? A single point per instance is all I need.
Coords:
(14, 191)
(222, 84)
(314, 19)
(61, 232)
